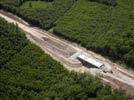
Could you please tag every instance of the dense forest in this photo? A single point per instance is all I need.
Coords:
(104, 26)
(27, 73)
(12, 41)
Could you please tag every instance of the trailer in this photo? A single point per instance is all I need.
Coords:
(94, 63)
(90, 61)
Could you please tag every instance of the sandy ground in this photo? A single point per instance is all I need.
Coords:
(61, 50)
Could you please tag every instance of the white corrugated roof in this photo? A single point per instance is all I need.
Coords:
(91, 61)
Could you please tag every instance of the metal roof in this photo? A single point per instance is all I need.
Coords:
(89, 60)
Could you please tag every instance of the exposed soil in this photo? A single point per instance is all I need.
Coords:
(61, 50)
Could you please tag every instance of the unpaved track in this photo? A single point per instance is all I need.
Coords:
(61, 50)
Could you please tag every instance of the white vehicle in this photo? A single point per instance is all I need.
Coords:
(94, 63)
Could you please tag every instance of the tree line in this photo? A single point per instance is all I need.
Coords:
(44, 18)
(107, 2)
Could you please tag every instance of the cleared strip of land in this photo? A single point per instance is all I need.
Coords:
(62, 50)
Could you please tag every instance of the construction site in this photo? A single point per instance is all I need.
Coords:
(75, 57)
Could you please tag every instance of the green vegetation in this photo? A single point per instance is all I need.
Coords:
(30, 74)
(45, 17)
(11, 41)
(104, 26)
(103, 29)
(35, 5)
(107, 2)
(40, 13)
(34, 75)
(9, 2)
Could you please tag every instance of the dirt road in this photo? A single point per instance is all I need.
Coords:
(63, 51)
